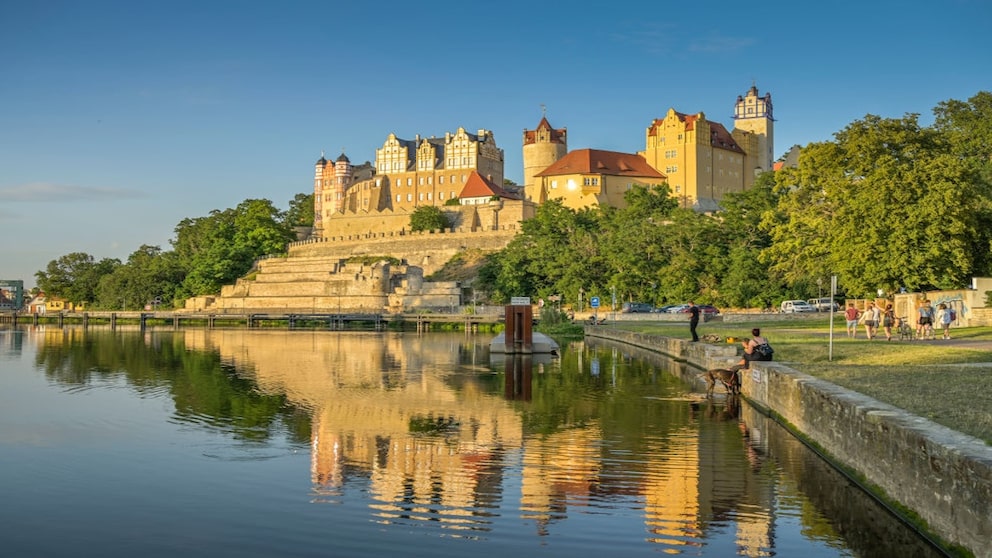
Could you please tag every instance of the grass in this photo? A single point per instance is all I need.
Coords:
(943, 381)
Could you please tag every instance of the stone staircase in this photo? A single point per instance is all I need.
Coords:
(330, 284)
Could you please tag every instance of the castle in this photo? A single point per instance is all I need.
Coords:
(699, 159)
(363, 211)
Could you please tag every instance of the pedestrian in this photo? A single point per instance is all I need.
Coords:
(888, 320)
(852, 314)
(924, 324)
(944, 318)
(693, 320)
(871, 317)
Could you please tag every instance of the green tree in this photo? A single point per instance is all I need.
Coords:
(148, 274)
(885, 205)
(747, 281)
(428, 218)
(218, 249)
(75, 276)
(300, 213)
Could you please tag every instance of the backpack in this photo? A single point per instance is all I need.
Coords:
(954, 315)
(765, 350)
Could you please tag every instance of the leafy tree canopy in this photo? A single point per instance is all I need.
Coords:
(428, 218)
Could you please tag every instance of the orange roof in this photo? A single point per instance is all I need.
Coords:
(478, 186)
(595, 161)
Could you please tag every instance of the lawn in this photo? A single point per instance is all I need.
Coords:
(943, 381)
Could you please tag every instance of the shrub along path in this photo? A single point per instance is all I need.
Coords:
(946, 381)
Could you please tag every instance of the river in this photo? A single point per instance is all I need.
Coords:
(237, 442)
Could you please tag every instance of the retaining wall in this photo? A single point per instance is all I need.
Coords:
(943, 476)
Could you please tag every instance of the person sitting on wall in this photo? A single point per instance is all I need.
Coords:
(755, 349)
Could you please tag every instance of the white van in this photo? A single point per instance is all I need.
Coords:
(793, 306)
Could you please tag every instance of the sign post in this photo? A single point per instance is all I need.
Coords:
(594, 303)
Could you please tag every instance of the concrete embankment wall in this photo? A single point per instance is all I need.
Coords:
(942, 476)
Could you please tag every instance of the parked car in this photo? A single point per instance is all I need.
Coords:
(677, 308)
(703, 309)
(824, 304)
(663, 309)
(795, 306)
(632, 307)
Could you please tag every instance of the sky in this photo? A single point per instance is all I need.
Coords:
(120, 119)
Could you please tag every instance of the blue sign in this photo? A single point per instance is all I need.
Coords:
(594, 302)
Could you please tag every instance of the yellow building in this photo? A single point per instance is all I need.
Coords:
(702, 160)
(590, 177)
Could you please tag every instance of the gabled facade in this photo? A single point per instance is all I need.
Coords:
(406, 174)
(702, 160)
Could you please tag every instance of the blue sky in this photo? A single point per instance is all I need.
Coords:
(120, 119)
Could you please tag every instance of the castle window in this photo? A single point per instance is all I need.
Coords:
(678, 189)
(409, 197)
(554, 184)
(420, 197)
(452, 194)
(399, 198)
(440, 179)
(428, 196)
(409, 182)
(421, 181)
(440, 195)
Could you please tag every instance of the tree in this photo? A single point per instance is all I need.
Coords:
(148, 274)
(75, 276)
(218, 249)
(300, 213)
(747, 281)
(428, 218)
(886, 205)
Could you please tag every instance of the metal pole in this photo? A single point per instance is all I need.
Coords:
(833, 295)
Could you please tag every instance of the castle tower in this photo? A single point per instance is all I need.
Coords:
(342, 179)
(318, 194)
(754, 114)
(542, 146)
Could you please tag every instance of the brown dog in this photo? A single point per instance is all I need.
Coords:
(728, 378)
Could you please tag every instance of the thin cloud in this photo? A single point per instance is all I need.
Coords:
(653, 39)
(55, 193)
(719, 43)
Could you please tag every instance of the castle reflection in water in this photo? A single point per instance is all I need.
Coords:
(415, 415)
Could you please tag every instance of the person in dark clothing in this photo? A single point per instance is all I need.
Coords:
(693, 319)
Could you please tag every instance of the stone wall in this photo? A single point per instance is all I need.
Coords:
(427, 250)
(943, 476)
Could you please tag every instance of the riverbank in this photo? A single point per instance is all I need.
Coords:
(941, 479)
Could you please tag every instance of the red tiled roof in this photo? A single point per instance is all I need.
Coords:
(478, 186)
(530, 136)
(721, 138)
(595, 161)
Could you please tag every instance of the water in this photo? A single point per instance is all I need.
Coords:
(296, 443)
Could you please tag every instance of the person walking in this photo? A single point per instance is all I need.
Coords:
(693, 320)
(851, 315)
(944, 318)
(888, 320)
(871, 317)
(924, 325)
